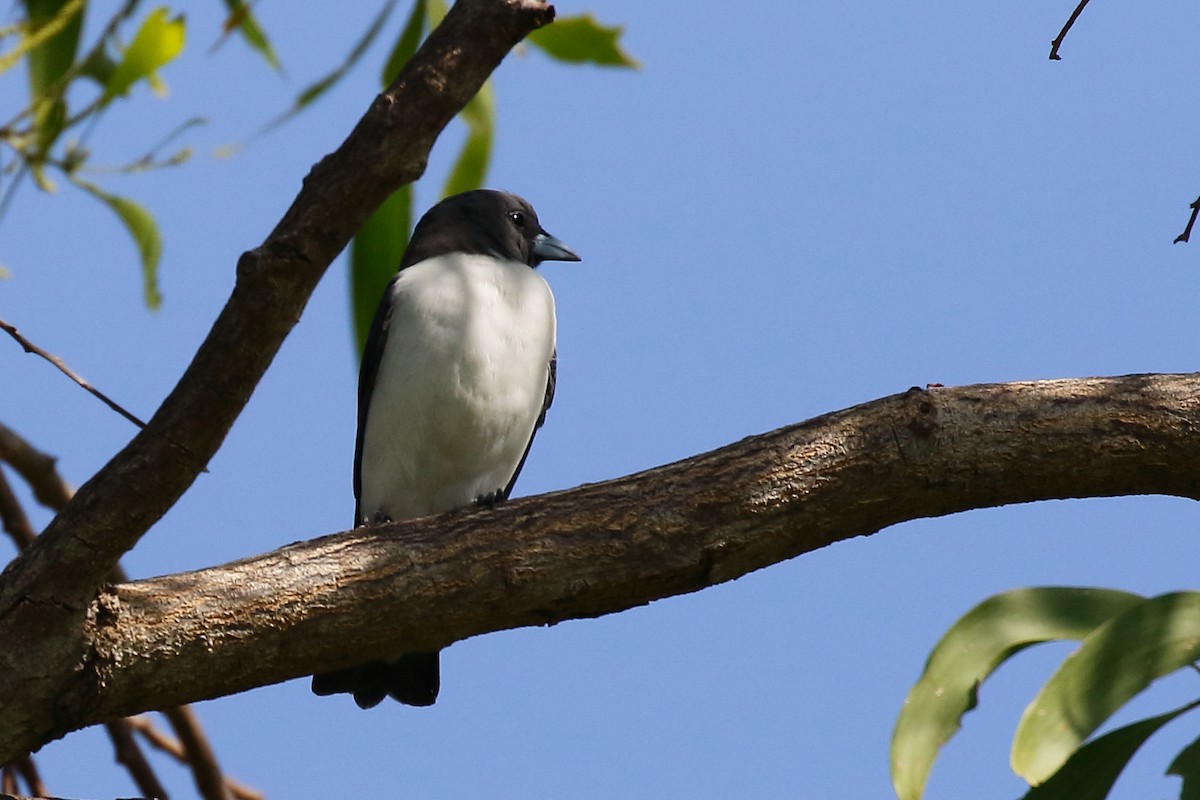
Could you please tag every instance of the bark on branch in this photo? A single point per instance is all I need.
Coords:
(601, 548)
(51, 587)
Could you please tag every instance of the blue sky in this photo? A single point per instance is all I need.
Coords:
(792, 208)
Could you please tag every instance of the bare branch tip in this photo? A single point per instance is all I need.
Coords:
(30, 347)
(542, 13)
(1187, 230)
(1057, 42)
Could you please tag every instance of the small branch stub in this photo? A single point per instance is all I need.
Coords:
(1187, 231)
(1058, 40)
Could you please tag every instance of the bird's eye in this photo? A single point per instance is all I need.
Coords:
(518, 218)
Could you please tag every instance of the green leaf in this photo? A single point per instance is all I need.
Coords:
(156, 43)
(583, 40)
(99, 66)
(406, 44)
(51, 41)
(435, 10)
(319, 87)
(970, 651)
(470, 167)
(241, 19)
(1090, 773)
(375, 254)
(1116, 661)
(38, 172)
(377, 248)
(48, 120)
(1187, 766)
(142, 227)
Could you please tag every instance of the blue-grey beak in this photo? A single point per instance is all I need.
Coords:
(547, 248)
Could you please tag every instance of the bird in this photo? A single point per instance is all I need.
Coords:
(458, 371)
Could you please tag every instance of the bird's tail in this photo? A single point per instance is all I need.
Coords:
(413, 679)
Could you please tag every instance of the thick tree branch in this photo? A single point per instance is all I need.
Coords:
(51, 586)
(601, 548)
(193, 748)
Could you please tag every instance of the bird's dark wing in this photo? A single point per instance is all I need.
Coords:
(551, 379)
(367, 372)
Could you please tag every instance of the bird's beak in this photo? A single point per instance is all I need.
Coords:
(547, 248)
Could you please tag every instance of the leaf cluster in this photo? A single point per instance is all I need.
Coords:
(71, 85)
(1126, 643)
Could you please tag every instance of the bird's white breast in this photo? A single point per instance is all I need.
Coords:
(461, 382)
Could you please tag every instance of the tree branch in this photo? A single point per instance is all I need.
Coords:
(30, 347)
(175, 749)
(52, 585)
(1058, 40)
(129, 754)
(28, 772)
(37, 469)
(210, 782)
(192, 748)
(606, 547)
(1187, 230)
(13, 518)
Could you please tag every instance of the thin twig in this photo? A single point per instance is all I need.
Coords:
(8, 779)
(30, 347)
(173, 748)
(1057, 43)
(13, 185)
(29, 773)
(1187, 231)
(13, 517)
(36, 468)
(129, 754)
(39, 32)
(200, 756)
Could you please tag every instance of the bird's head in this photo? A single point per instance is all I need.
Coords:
(485, 222)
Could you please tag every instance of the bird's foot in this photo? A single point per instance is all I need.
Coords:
(490, 499)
